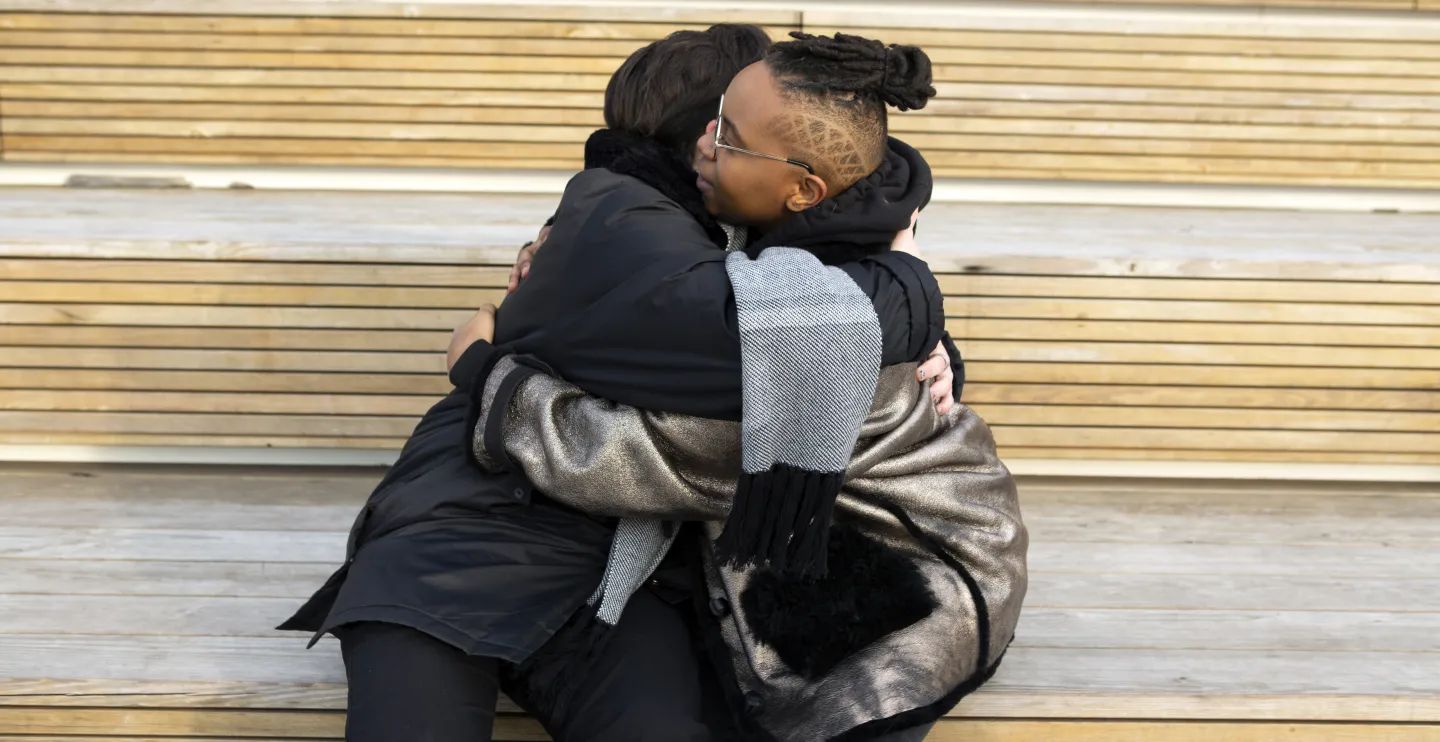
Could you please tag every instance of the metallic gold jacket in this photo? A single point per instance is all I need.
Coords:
(926, 487)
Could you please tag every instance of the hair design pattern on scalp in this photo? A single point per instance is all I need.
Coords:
(841, 86)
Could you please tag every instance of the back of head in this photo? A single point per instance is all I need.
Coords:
(837, 89)
(668, 91)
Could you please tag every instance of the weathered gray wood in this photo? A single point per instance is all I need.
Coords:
(1290, 631)
(1083, 628)
(1148, 599)
(272, 659)
(480, 228)
(283, 660)
(197, 545)
(199, 578)
(1376, 592)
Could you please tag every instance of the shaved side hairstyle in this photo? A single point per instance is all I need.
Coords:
(838, 89)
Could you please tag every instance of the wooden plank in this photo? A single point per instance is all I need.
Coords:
(428, 19)
(576, 82)
(40, 110)
(1200, 101)
(226, 360)
(1077, 287)
(219, 129)
(1179, 61)
(1219, 440)
(1098, 453)
(72, 438)
(100, 153)
(1234, 311)
(1142, 111)
(391, 97)
(417, 60)
(376, 149)
(980, 238)
(434, 385)
(212, 272)
(1130, 417)
(1088, 557)
(70, 577)
(1114, 673)
(1135, 161)
(1298, 154)
(1210, 354)
(520, 729)
(1193, 332)
(174, 423)
(211, 544)
(1193, 175)
(1326, 4)
(412, 406)
(199, 337)
(1322, 632)
(262, 295)
(991, 387)
(1255, 24)
(385, 318)
(1120, 731)
(403, 42)
(986, 703)
(1266, 630)
(1229, 592)
(1240, 45)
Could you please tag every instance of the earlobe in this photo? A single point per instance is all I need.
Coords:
(811, 191)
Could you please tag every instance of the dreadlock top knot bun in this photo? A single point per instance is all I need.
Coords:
(897, 75)
(907, 78)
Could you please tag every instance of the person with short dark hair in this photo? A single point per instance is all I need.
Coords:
(458, 582)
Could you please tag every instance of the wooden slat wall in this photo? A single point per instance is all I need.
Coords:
(487, 90)
(1087, 95)
(340, 354)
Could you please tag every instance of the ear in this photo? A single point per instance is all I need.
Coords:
(810, 191)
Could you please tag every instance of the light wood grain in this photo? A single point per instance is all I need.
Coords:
(289, 404)
(1220, 440)
(431, 385)
(232, 272)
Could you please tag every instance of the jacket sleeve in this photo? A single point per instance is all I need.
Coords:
(633, 303)
(907, 301)
(599, 457)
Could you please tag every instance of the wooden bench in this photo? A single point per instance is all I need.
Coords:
(317, 321)
(136, 604)
(1156, 93)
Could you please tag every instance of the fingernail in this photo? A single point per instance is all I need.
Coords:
(922, 373)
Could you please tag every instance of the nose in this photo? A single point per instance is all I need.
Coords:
(706, 145)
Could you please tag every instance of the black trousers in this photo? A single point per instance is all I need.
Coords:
(645, 685)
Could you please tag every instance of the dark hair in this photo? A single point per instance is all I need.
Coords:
(670, 89)
(846, 82)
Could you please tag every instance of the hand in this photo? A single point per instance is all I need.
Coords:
(936, 370)
(521, 269)
(905, 239)
(480, 327)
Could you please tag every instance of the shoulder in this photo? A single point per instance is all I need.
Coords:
(609, 207)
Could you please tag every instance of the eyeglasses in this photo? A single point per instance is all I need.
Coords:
(720, 123)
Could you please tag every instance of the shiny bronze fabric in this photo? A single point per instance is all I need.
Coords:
(941, 471)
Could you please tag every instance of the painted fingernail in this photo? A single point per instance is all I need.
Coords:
(922, 373)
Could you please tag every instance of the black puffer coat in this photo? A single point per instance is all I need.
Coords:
(482, 561)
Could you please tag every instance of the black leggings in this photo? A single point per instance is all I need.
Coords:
(645, 685)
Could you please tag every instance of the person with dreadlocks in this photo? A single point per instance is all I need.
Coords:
(860, 554)
(459, 582)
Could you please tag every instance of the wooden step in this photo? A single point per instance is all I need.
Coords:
(319, 320)
(136, 603)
